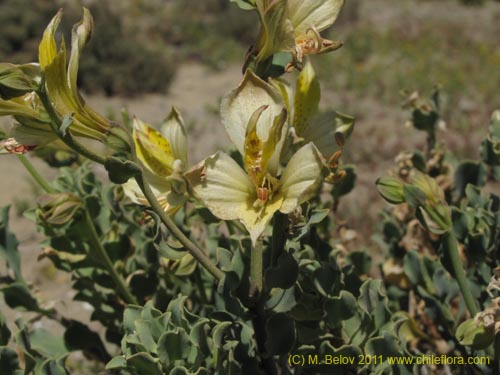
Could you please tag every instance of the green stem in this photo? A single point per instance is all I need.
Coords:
(450, 245)
(193, 249)
(118, 280)
(256, 272)
(34, 173)
(56, 122)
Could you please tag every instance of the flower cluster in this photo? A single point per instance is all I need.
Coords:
(287, 148)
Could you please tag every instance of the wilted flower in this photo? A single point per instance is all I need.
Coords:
(61, 82)
(254, 117)
(19, 83)
(163, 155)
(294, 26)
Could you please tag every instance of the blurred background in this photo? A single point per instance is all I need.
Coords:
(147, 55)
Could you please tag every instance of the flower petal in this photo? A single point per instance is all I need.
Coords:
(328, 131)
(173, 130)
(134, 193)
(301, 177)
(223, 186)
(152, 149)
(319, 14)
(239, 105)
(277, 31)
(307, 97)
(61, 85)
(229, 194)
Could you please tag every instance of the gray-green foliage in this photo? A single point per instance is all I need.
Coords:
(419, 258)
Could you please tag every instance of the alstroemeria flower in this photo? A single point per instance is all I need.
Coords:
(294, 26)
(163, 155)
(18, 85)
(328, 131)
(255, 117)
(61, 81)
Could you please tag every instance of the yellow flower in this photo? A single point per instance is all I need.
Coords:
(254, 118)
(19, 83)
(61, 82)
(328, 131)
(163, 154)
(294, 26)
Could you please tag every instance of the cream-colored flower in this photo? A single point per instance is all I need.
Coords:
(254, 117)
(328, 131)
(163, 155)
(294, 26)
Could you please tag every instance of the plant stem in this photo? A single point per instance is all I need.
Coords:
(118, 280)
(193, 249)
(256, 272)
(280, 222)
(450, 245)
(55, 123)
(34, 173)
(259, 326)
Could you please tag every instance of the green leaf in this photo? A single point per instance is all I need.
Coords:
(469, 333)
(143, 330)
(244, 4)
(285, 274)
(374, 301)
(9, 362)
(339, 309)
(280, 334)
(117, 363)
(52, 367)
(4, 331)
(174, 346)
(65, 124)
(120, 170)
(143, 363)
(391, 189)
(219, 332)
(387, 345)
(130, 315)
(47, 343)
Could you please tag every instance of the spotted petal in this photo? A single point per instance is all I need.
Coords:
(152, 149)
(240, 104)
(307, 97)
(229, 194)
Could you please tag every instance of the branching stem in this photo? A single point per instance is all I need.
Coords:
(193, 249)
